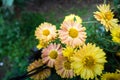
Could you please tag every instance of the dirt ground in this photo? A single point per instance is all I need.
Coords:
(59, 6)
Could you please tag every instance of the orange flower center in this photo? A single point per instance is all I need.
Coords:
(73, 33)
(108, 15)
(46, 32)
(53, 54)
(67, 65)
(88, 61)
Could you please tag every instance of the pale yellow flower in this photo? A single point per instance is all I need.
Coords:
(115, 32)
(73, 17)
(46, 32)
(72, 33)
(88, 62)
(63, 67)
(105, 16)
(45, 73)
(50, 53)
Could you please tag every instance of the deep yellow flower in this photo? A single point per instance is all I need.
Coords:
(73, 17)
(115, 32)
(111, 76)
(40, 75)
(42, 44)
(46, 32)
(105, 16)
(88, 62)
(68, 52)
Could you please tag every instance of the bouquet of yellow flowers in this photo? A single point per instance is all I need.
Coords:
(68, 52)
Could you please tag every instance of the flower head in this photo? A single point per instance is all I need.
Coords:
(111, 76)
(68, 52)
(73, 17)
(50, 54)
(42, 44)
(72, 33)
(115, 32)
(40, 75)
(63, 67)
(46, 32)
(88, 62)
(105, 16)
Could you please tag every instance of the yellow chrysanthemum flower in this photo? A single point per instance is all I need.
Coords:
(105, 16)
(73, 17)
(46, 32)
(88, 62)
(45, 73)
(68, 52)
(104, 8)
(42, 44)
(110, 76)
(115, 32)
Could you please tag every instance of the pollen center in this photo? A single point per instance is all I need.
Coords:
(73, 33)
(67, 65)
(108, 15)
(88, 61)
(53, 54)
(46, 32)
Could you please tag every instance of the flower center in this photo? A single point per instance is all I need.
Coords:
(53, 54)
(67, 65)
(46, 32)
(108, 15)
(88, 61)
(73, 33)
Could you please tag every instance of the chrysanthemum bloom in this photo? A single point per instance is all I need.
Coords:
(115, 32)
(63, 67)
(72, 33)
(88, 62)
(73, 17)
(68, 52)
(110, 76)
(42, 44)
(105, 16)
(45, 73)
(50, 54)
(46, 32)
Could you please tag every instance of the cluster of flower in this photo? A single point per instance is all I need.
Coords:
(106, 17)
(71, 56)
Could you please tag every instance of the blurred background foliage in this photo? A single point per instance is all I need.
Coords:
(17, 26)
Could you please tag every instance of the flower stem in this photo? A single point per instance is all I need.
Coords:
(90, 22)
(105, 1)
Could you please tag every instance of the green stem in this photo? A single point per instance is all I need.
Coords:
(116, 59)
(105, 1)
(90, 22)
